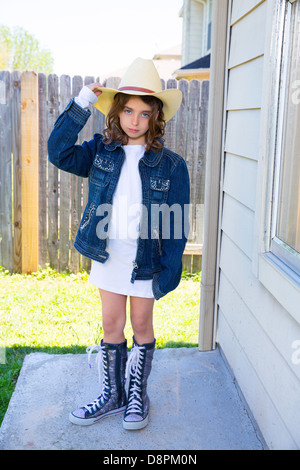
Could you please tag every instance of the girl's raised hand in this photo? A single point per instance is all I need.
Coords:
(95, 87)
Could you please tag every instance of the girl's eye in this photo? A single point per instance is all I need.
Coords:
(127, 111)
(146, 115)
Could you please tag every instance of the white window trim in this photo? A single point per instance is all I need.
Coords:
(276, 276)
(215, 138)
(281, 282)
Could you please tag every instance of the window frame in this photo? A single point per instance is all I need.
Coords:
(272, 263)
(278, 247)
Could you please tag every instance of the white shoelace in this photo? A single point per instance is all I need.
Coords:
(134, 369)
(98, 359)
(102, 372)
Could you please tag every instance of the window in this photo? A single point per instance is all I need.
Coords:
(278, 205)
(208, 45)
(286, 214)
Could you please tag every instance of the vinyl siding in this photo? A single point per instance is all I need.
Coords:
(192, 33)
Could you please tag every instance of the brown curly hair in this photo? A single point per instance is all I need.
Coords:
(154, 136)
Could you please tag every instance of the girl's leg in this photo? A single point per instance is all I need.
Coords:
(113, 316)
(141, 313)
(139, 364)
(113, 355)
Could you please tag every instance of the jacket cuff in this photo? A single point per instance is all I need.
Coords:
(77, 113)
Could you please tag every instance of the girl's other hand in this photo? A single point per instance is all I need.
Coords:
(95, 87)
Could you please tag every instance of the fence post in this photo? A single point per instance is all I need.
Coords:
(30, 171)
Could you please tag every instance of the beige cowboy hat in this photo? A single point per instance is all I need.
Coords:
(142, 79)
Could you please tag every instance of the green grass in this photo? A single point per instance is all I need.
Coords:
(61, 313)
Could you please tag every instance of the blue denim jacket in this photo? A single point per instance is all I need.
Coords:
(165, 199)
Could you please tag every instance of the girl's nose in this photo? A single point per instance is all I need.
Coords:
(135, 119)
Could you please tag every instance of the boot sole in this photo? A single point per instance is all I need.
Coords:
(135, 425)
(89, 421)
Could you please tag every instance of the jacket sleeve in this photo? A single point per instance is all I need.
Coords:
(173, 245)
(62, 149)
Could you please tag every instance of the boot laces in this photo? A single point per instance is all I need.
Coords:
(133, 379)
(102, 366)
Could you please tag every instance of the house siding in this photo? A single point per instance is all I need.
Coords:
(192, 33)
(255, 332)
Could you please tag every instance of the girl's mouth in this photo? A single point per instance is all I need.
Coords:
(133, 130)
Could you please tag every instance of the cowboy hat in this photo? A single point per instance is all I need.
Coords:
(142, 79)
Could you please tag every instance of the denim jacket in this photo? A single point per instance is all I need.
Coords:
(165, 199)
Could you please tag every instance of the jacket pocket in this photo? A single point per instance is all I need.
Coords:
(159, 188)
(102, 170)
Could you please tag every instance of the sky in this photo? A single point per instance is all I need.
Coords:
(99, 36)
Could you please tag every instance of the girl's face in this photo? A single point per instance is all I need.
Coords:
(134, 120)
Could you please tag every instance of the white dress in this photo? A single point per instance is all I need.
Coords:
(115, 274)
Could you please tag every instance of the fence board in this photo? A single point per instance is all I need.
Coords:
(53, 112)
(182, 116)
(76, 188)
(30, 171)
(64, 189)
(192, 140)
(6, 241)
(17, 170)
(181, 149)
(43, 136)
(87, 134)
(202, 140)
(98, 118)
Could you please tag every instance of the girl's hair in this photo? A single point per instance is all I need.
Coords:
(154, 136)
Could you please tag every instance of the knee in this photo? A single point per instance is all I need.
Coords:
(140, 324)
(109, 326)
(112, 324)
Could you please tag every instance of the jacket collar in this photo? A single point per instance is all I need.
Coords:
(112, 146)
(150, 158)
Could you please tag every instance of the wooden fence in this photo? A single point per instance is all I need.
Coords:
(41, 206)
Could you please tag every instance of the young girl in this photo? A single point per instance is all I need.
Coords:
(133, 227)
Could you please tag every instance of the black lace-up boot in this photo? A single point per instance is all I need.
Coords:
(112, 400)
(137, 372)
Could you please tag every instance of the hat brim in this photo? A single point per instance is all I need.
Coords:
(171, 99)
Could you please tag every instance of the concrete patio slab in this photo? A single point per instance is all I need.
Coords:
(195, 405)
